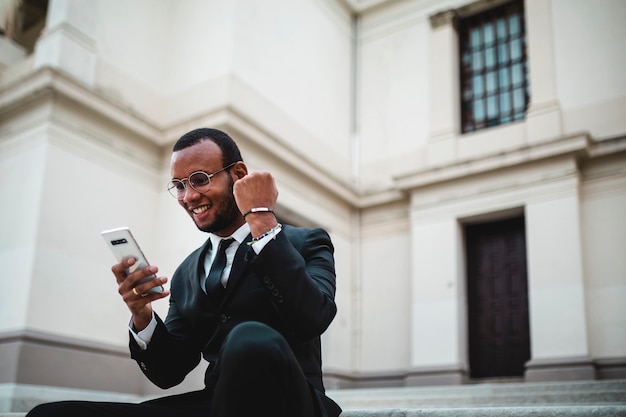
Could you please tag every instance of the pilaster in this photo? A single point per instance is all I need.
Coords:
(68, 41)
(543, 117)
(444, 89)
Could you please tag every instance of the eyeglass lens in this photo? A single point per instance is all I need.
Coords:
(199, 181)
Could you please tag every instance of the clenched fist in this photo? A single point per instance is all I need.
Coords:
(257, 189)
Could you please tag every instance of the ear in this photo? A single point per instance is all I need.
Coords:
(240, 170)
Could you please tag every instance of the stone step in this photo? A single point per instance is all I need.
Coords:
(578, 393)
(548, 399)
(558, 411)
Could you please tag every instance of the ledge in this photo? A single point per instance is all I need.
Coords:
(561, 146)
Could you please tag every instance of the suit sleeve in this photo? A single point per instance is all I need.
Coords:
(298, 274)
(167, 360)
(174, 350)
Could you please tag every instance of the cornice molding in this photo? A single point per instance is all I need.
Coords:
(441, 19)
(569, 145)
(451, 16)
(48, 82)
(479, 6)
(361, 6)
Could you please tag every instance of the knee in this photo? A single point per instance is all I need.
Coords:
(44, 410)
(254, 334)
(253, 340)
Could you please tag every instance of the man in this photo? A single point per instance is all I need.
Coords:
(255, 314)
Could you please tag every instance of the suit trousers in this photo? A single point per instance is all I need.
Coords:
(257, 375)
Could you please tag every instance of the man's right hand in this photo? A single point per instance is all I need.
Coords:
(136, 295)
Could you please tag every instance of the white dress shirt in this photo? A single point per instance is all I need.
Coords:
(143, 337)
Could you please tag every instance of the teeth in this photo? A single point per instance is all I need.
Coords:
(199, 210)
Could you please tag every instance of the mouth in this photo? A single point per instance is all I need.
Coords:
(199, 210)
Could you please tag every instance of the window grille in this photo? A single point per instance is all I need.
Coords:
(494, 67)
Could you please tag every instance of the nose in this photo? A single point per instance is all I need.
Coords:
(190, 194)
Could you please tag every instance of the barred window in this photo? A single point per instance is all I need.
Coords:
(494, 68)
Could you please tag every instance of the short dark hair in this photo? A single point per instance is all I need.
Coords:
(230, 150)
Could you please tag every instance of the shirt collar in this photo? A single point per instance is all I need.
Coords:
(239, 235)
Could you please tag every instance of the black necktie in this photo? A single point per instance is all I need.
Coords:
(213, 282)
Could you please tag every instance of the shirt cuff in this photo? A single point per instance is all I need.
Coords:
(143, 337)
(260, 244)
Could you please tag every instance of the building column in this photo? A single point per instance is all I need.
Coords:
(444, 89)
(543, 117)
(67, 42)
(558, 319)
(437, 344)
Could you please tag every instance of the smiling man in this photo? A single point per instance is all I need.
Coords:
(253, 301)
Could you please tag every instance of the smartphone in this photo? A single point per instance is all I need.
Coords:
(123, 245)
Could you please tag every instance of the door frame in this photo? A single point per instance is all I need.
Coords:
(485, 218)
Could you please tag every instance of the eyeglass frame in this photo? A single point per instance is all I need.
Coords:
(171, 186)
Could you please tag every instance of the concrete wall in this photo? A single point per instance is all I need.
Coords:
(356, 112)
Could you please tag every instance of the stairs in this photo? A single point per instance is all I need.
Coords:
(549, 399)
(546, 399)
(586, 411)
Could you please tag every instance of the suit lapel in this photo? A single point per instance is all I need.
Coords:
(200, 272)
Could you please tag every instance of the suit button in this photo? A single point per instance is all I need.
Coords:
(266, 279)
(271, 285)
(275, 292)
(223, 318)
(280, 299)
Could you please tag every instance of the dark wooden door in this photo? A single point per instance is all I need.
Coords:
(499, 338)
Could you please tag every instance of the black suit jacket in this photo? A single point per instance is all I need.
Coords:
(289, 286)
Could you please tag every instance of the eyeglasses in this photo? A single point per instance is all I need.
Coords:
(198, 180)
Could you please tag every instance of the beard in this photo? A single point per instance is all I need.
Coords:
(226, 213)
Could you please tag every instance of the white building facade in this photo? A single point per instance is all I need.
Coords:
(513, 234)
